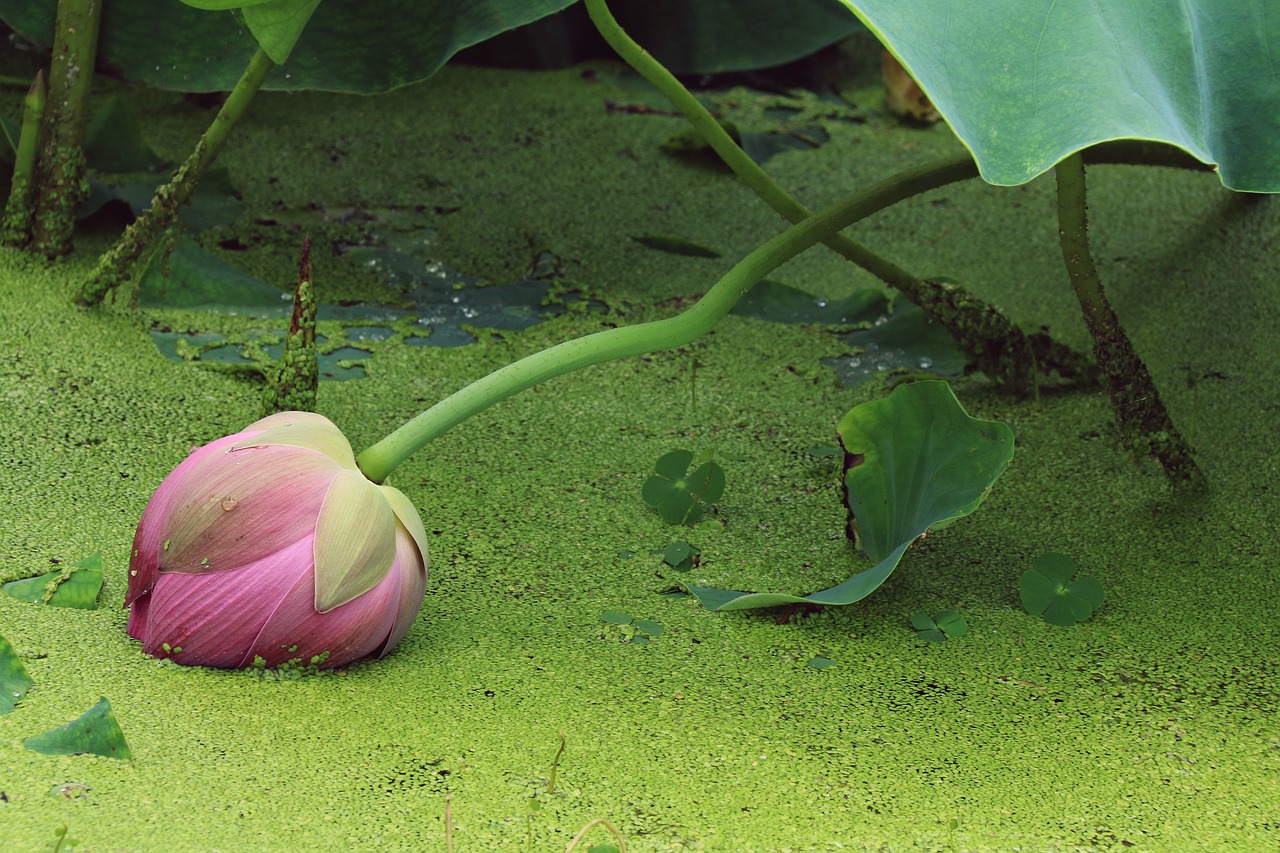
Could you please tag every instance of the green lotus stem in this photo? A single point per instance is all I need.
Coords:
(19, 214)
(990, 341)
(118, 264)
(1144, 422)
(732, 154)
(61, 186)
(379, 460)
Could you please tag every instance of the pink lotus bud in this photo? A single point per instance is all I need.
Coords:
(272, 544)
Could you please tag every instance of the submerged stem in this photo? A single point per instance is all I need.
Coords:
(117, 265)
(1143, 421)
(379, 460)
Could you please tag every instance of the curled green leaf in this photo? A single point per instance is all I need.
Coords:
(95, 731)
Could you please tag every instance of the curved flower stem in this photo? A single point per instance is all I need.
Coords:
(990, 341)
(117, 265)
(1142, 418)
(379, 460)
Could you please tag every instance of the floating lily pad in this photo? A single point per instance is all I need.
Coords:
(95, 732)
(819, 662)
(905, 340)
(781, 303)
(761, 147)
(675, 246)
(76, 586)
(913, 461)
(1047, 590)
(14, 681)
(936, 629)
(679, 494)
(681, 556)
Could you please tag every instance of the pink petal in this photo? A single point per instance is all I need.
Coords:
(295, 631)
(412, 568)
(214, 618)
(355, 540)
(235, 507)
(153, 527)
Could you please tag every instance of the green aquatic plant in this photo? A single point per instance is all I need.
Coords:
(681, 556)
(948, 624)
(1178, 102)
(1050, 589)
(682, 486)
(913, 462)
(95, 731)
(75, 586)
(634, 631)
(14, 681)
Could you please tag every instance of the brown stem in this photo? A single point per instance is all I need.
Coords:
(1144, 423)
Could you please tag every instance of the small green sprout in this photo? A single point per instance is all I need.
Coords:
(1048, 591)
(948, 624)
(634, 631)
(680, 494)
(681, 556)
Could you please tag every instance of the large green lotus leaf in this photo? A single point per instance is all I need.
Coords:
(1026, 84)
(913, 461)
(369, 46)
(714, 36)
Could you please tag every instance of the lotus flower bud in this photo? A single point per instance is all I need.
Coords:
(270, 546)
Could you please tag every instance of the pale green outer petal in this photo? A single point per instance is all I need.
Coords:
(318, 435)
(355, 540)
(408, 515)
(285, 419)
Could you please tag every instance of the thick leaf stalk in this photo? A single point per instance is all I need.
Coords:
(291, 386)
(119, 264)
(19, 213)
(379, 460)
(990, 341)
(61, 185)
(1144, 423)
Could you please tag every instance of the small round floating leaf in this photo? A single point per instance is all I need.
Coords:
(951, 623)
(649, 627)
(678, 495)
(1047, 590)
(922, 621)
(14, 681)
(96, 732)
(616, 617)
(820, 663)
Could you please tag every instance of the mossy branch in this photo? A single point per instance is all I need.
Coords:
(60, 182)
(292, 384)
(19, 212)
(120, 263)
(1144, 423)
